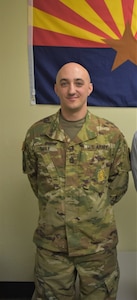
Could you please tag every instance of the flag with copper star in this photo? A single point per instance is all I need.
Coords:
(101, 35)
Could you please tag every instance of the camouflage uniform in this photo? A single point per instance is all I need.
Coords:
(77, 182)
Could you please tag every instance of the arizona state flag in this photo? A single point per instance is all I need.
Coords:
(99, 34)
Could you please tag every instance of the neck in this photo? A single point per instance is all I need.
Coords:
(73, 116)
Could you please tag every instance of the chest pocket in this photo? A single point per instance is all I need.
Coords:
(50, 165)
(94, 166)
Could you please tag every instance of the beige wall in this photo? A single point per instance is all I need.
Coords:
(18, 206)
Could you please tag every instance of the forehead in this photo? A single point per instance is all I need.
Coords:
(72, 72)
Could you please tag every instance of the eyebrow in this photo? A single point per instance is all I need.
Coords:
(63, 79)
(75, 79)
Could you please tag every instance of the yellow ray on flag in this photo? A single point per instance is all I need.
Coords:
(85, 11)
(134, 19)
(48, 22)
(116, 10)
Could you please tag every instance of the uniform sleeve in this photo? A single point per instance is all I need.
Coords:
(29, 163)
(119, 173)
(134, 159)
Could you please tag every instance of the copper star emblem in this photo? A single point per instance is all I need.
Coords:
(126, 48)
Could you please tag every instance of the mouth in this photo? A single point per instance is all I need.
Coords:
(72, 98)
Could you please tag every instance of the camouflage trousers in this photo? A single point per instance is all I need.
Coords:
(56, 273)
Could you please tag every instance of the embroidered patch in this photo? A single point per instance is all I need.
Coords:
(101, 175)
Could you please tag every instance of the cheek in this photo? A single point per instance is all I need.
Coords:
(61, 95)
(85, 93)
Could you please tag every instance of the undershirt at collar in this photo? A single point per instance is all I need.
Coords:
(71, 128)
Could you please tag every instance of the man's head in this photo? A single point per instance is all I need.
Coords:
(73, 86)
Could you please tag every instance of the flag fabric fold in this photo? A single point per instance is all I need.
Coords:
(100, 35)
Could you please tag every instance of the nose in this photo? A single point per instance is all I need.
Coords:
(71, 88)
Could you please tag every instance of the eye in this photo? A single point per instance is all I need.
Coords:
(63, 84)
(79, 83)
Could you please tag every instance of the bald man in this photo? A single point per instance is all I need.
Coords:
(77, 165)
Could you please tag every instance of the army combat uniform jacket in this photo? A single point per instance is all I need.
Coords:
(134, 159)
(76, 182)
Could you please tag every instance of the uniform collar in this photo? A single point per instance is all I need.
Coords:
(54, 131)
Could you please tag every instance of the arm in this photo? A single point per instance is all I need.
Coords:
(119, 176)
(30, 164)
(134, 159)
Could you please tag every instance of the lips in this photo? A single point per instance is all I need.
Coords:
(72, 98)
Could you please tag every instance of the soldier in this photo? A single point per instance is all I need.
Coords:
(77, 165)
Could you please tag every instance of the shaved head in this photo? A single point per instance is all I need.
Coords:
(71, 66)
(73, 86)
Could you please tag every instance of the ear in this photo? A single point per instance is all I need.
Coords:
(55, 89)
(90, 88)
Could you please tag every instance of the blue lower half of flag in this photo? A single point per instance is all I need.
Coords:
(116, 88)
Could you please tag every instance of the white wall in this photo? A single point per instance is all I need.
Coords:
(18, 205)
